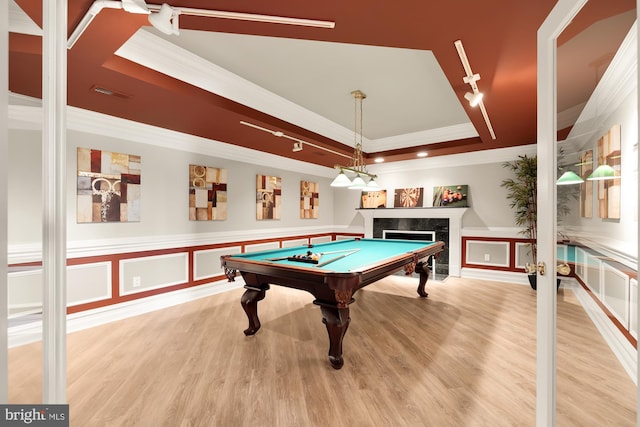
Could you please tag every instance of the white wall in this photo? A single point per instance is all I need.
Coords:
(164, 201)
(488, 204)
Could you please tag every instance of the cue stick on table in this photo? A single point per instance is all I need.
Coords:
(321, 253)
(322, 264)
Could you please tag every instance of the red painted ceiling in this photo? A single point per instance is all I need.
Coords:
(500, 33)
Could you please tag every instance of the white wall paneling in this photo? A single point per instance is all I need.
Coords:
(615, 293)
(153, 272)
(292, 243)
(482, 252)
(633, 308)
(206, 263)
(261, 247)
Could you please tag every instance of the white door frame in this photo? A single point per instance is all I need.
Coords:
(558, 19)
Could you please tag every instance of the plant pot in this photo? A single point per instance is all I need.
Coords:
(533, 281)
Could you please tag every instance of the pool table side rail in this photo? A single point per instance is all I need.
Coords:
(305, 272)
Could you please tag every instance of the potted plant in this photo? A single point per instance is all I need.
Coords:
(523, 198)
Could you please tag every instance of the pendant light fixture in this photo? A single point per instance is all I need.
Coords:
(568, 178)
(357, 165)
(603, 172)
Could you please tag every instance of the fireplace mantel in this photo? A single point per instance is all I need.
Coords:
(455, 226)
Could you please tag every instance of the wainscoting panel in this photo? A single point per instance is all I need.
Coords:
(206, 263)
(153, 272)
(25, 292)
(292, 243)
(487, 253)
(633, 308)
(593, 278)
(615, 293)
(523, 255)
(323, 239)
(88, 283)
(261, 247)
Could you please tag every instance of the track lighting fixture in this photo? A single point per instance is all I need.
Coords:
(474, 97)
(166, 20)
(165, 17)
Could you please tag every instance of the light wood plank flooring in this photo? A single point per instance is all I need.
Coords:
(465, 356)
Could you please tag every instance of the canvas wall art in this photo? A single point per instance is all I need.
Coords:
(309, 200)
(108, 186)
(452, 196)
(586, 187)
(268, 197)
(408, 197)
(207, 193)
(373, 199)
(609, 189)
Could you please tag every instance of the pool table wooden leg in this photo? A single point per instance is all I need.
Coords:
(423, 269)
(337, 321)
(249, 302)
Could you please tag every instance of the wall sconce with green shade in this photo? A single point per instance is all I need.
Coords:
(568, 178)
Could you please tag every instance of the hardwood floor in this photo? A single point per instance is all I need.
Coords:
(465, 356)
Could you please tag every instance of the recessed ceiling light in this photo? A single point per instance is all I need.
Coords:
(379, 160)
(422, 154)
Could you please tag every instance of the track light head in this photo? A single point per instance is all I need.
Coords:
(135, 6)
(166, 20)
(473, 98)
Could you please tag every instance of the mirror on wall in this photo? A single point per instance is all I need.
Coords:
(597, 122)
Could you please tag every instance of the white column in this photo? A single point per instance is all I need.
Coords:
(4, 162)
(54, 236)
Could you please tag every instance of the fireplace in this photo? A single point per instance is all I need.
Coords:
(446, 223)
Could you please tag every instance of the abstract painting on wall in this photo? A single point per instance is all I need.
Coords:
(309, 200)
(609, 189)
(373, 199)
(586, 187)
(268, 197)
(108, 186)
(207, 193)
(408, 197)
(452, 196)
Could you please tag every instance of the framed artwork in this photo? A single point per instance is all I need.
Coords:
(408, 197)
(268, 197)
(609, 189)
(207, 193)
(108, 186)
(373, 199)
(586, 187)
(309, 200)
(452, 196)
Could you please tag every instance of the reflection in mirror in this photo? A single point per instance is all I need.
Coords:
(597, 125)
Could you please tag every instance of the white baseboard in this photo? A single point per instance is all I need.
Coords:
(32, 331)
(494, 275)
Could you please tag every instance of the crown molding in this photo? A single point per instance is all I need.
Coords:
(30, 118)
(431, 136)
(463, 159)
(20, 23)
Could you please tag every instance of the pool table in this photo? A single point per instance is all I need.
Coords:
(342, 267)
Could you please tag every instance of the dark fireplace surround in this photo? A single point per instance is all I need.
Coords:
(438, 225)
